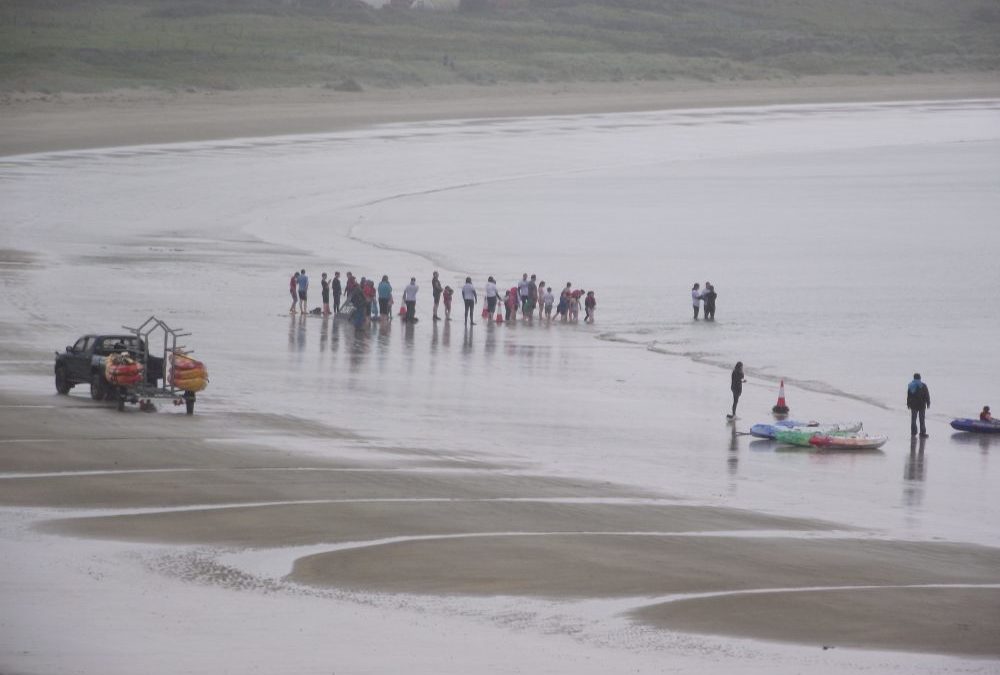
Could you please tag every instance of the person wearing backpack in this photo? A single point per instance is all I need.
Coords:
(918, 400)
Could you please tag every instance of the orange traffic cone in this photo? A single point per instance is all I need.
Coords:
(781, 408)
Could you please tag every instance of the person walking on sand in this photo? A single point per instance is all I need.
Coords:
(410, 298)
(385, 296)
(303, 292)
(696, 299)
(325, 285)
(469, 296)
(918, 400)
(709, 297)
(337, 290)
(293, 288)
(736, 386)
(436, 290)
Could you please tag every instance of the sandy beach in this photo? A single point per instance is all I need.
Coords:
(219, 529)
(445, 529)
(44, 123)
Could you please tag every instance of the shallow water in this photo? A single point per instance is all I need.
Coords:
(850, 245)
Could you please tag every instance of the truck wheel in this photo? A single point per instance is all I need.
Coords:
(98, 387)
(62, 384)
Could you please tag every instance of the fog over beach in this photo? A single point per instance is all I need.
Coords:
(515, 497)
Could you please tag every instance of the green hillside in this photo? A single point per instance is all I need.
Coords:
(91, 45)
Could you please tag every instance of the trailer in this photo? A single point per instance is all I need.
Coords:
(154, 331)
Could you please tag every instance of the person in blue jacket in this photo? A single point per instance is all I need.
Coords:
(918, 400)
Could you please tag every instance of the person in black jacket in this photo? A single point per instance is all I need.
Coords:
(708, 297)
(336, 288)
(918, 400)
(736, 386)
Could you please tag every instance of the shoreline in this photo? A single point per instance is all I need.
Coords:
(33, 123)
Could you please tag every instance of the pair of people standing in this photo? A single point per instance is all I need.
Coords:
(298, 286)
(708, 296)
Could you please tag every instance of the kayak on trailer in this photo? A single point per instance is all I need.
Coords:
(848, 441)
(767, 430)
(976, 426)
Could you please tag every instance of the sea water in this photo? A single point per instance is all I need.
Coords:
(850, 245)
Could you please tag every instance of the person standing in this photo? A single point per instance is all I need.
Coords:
(337, 290)
(293, 288)
(436, 289)
(709, 297)
(410, 299)
(349, 287)
(696, 299)
(303, 292)
(522, 291)
(469, 296)
(918, 400)
(447, 295)
(492, 294)
(325, 284)
(589, 307)
(736, 386)
(529, 304)
(385, 296)
(540, 299)
(549, 299)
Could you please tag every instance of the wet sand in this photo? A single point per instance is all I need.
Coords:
(390, 525)
(412, 521)
(42, 123)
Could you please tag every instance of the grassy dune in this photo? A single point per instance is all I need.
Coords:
(94, 45)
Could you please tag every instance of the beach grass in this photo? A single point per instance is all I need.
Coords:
(96, 45)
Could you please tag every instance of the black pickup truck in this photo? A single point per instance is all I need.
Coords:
(83, 363)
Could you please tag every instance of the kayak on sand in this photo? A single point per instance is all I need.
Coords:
(976, 426)
(767, 430)
(848, 442)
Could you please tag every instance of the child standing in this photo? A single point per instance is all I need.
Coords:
(448, 292)
(589, 305)
(548, 300)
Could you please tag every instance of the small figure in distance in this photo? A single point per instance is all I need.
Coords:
(385, 297)
(293, 288)
(589, 305)
(549, 299)
(985, 415)
(918, 400)
(410, 298)
(447, 293)
(709, 296)
(736, 386)
(436, 290)
(469, 296)
(326, 294)
(337, 290)
(303, 291)
(696, 299)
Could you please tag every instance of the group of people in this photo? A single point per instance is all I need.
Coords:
(369, 300)
(705, 295)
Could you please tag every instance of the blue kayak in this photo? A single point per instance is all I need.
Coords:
(976, 426)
